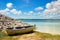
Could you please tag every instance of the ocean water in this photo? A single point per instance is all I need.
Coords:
(45, 25)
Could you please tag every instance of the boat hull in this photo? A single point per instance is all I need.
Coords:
(19, 31)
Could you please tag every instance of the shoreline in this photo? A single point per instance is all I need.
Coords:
(48, 32)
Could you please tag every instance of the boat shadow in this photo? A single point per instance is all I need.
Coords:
(17, 34)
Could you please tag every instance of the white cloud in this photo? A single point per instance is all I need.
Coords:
(8, 10)
(52, 10)
(5, 11)
(30, 13)
(49, 6)
(14, 11)
(1, 11)
(19, 12)
(39, 8)
(9, 5)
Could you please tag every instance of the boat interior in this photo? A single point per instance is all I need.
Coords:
(18, 27)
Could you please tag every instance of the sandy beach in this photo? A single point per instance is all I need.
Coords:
(30, 36)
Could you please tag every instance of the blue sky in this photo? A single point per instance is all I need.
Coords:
(30, 9)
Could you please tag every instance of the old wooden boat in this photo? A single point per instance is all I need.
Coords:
(19, 30)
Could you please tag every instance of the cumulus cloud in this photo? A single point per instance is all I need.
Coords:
(5, 11)
(30, 13)
(39, 8)
(52, 10)
(8, 10)
(14, 11)
(9, 5)
(49, 6)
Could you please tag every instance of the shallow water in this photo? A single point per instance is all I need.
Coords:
(45, 25)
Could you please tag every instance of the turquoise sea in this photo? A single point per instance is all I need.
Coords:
(45, 25)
